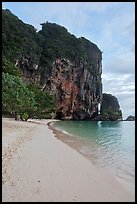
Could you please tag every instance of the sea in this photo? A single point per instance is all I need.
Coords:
(107, 144)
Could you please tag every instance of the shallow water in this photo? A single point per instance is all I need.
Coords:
(108, 144)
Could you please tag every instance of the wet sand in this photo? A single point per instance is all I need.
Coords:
(38, 167)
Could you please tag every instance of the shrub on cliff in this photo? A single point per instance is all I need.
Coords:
(110, 114)
(9, 67)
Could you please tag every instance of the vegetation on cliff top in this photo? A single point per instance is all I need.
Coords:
(19, 38)
(58, 42)
(51, 42)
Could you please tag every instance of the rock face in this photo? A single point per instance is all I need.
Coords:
(77, 90)
(30, 70)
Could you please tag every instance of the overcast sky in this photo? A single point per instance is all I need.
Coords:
(110, 25)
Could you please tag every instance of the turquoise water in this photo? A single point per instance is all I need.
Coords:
(108, 144)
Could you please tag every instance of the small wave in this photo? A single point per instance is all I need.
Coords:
(63, 131)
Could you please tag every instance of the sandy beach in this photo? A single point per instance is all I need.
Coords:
(38, 167)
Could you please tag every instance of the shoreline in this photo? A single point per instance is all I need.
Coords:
(77, 143)
(43, 168)
(72, 142)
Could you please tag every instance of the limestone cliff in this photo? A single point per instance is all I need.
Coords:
(77, 90)
(70, 68)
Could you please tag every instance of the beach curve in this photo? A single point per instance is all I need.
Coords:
(42, 168)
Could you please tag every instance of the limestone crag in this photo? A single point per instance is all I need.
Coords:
(77, 90)
(29, 69)
(58, 62)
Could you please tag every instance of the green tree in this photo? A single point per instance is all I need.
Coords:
(111, 114)
(16, 97)
(45, 102)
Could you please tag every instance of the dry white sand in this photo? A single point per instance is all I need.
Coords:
(37, 167)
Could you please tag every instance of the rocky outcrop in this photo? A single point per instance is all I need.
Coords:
(30, 70)
(77, 90)
(130, 118)
(110, 108)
